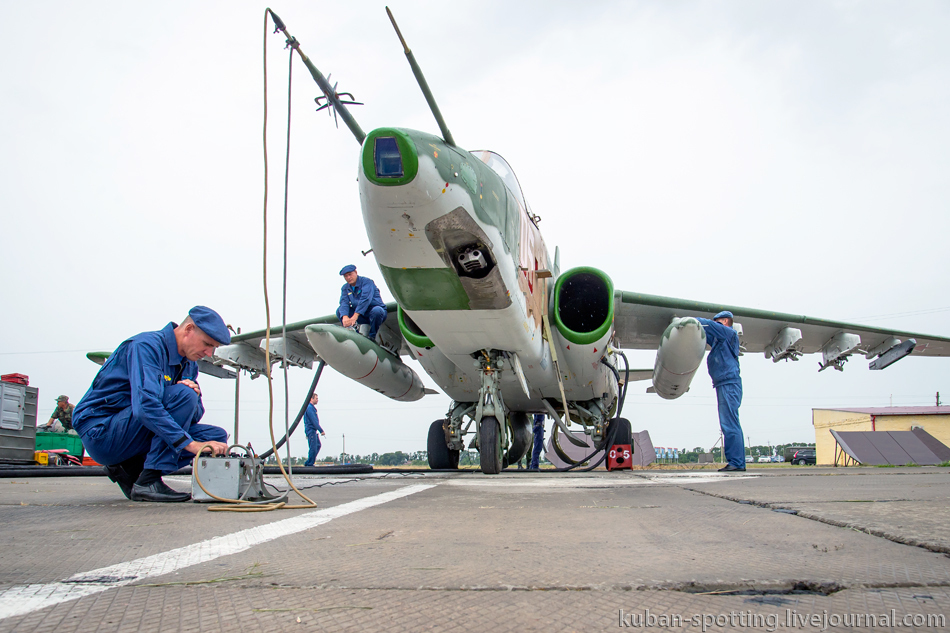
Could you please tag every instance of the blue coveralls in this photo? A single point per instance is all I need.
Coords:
(363, 298)
(723, 365)
(311, 426)
(135, 406)
(538, 440)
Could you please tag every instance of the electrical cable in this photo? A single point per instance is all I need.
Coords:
(270, 504)
(290, 75)
(300, 414)
(267, 364)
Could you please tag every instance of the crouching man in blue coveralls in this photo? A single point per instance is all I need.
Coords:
(723, 365)
(360, 302)
(311, 425)
(139, 418)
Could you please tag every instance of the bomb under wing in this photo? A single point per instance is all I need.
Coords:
(364, 361)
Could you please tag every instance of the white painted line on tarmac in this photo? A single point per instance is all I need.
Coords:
(27, 598)
(700, 479)
(596, 482)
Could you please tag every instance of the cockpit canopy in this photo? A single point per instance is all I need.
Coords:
(501, 167)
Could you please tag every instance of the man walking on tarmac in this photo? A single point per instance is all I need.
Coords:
(139, 418)
(723, 365)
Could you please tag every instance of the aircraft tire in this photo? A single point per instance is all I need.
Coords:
(440, 456)
(489, 446)
(522, 437)
(623, 434)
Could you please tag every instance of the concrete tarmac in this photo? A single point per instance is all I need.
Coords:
(772, 549)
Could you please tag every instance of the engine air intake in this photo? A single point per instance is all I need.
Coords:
(583, 305)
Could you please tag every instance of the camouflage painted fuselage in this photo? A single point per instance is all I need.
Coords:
(459, 250)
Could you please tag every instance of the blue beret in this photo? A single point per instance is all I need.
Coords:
(348, 269)
(725, 314)
(211, 323)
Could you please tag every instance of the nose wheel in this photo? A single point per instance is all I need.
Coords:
(489, 446)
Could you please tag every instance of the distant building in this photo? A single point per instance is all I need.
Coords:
(934, 420)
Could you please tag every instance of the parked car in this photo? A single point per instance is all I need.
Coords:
(749, 459)
(764, 459)
(778, 459)
(804, 456)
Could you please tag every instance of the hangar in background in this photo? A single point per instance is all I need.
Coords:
(934, 420)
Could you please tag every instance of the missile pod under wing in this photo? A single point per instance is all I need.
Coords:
(681, 351)
(363, 360)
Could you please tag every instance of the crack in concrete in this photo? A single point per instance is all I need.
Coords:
(778, 507)
(746, 588)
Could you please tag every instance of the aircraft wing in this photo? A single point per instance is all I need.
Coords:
(205, 366)
(247, 349)
(640, 320)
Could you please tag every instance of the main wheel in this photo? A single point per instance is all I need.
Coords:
(489, 446)
(521, 437)
(623, 434)
(440, 456)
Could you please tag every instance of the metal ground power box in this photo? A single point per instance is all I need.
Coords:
(227, 477)
(17, 422)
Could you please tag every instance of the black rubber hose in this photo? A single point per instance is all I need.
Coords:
(626, 382)
(612, 431)
(619, 388)
(608, 442)
(303, 409)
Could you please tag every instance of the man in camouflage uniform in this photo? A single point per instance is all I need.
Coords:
(61, 420)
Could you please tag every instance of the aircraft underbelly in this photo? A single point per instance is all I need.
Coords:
(457, 335)
(463, 332)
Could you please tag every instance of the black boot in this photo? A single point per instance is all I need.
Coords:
(150, 487)
(119, 476)
(126, 473)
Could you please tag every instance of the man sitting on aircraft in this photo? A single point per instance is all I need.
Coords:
(139, 418)
(723, 365)
(360, 302)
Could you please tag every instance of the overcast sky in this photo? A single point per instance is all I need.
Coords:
(789, 156)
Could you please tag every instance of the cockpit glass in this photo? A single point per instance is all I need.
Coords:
(501, 167)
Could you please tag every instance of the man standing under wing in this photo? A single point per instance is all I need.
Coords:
(723, 365)
(311, 425)
(139, 418)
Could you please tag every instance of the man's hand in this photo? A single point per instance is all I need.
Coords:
(192, 384)
(217, 448)
(323, 434)
(349, 321)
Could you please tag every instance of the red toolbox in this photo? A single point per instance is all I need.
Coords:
(20, 379)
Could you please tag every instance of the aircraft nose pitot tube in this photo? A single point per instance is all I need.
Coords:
(681, 351)
(361, 359)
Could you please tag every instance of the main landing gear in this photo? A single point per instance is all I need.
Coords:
(441, 457)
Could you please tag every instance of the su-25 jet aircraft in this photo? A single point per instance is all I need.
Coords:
(487, 313)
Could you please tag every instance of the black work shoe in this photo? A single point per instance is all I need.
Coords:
(729, 468)
(158, 491)
(119, 476)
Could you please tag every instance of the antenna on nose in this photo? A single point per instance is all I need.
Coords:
(420, 78)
